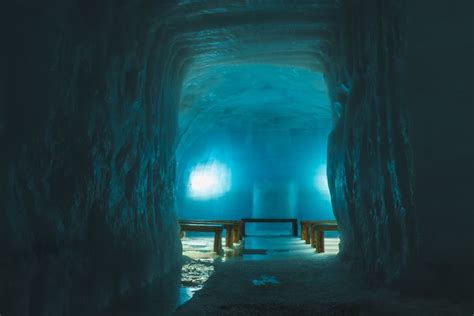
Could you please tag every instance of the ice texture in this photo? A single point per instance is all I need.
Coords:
(98, 100)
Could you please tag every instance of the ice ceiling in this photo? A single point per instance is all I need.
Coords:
(255, 97)
(252, 65)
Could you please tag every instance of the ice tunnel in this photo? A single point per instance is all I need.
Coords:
(117, 118)
(267, 125)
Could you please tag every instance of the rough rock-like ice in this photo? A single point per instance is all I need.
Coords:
(90, 95)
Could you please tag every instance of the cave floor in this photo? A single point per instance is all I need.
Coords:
(283, 276)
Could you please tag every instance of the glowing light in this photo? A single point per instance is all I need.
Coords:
(209, 180)
(321, 182)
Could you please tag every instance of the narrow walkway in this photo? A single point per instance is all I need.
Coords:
(283, 276)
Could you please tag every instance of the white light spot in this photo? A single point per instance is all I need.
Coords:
(209, 181)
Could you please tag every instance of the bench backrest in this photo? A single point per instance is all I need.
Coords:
(329, 221)
(222, 222)
(325, 226)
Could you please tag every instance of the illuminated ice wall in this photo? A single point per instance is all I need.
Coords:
(252, 142)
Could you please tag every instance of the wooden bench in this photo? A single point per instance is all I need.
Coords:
(293, 221)
(202, 227)
(236, 228)
(317, 233)
(232, 228)
(306, 228)
(305, 231)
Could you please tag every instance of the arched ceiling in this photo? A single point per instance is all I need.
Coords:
(251, 65)
(255, 97)
(236, 31)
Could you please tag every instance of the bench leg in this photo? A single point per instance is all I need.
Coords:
(319, 241)
(229, 239)
(303, 237)
(218, 242)
(236, 233)
(307, 238)
(295, 228)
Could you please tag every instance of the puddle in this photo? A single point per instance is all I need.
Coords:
(186, 293)
(265, 280)
(200, 259)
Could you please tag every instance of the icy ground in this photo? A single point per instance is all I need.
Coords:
(283, 276)
(199, 259)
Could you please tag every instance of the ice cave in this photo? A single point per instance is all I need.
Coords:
(257, 157)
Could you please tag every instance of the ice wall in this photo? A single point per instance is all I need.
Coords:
(89, 94)
(87, 164)
(274, 199)
(369, 155)
(395, 164)
(273, 174)
(268, 123)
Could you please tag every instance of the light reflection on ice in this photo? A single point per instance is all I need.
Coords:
(265, 280)
(200, 259)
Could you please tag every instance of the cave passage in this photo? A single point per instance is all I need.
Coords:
(118, 119)
(253, 143)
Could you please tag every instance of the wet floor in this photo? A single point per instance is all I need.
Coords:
(200, 259)
(175, 289)
(281, 275)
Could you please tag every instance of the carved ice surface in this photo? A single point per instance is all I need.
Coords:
(252, 97)
(104, 106)
(321, 181)
(209, 180)
(268, 123)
